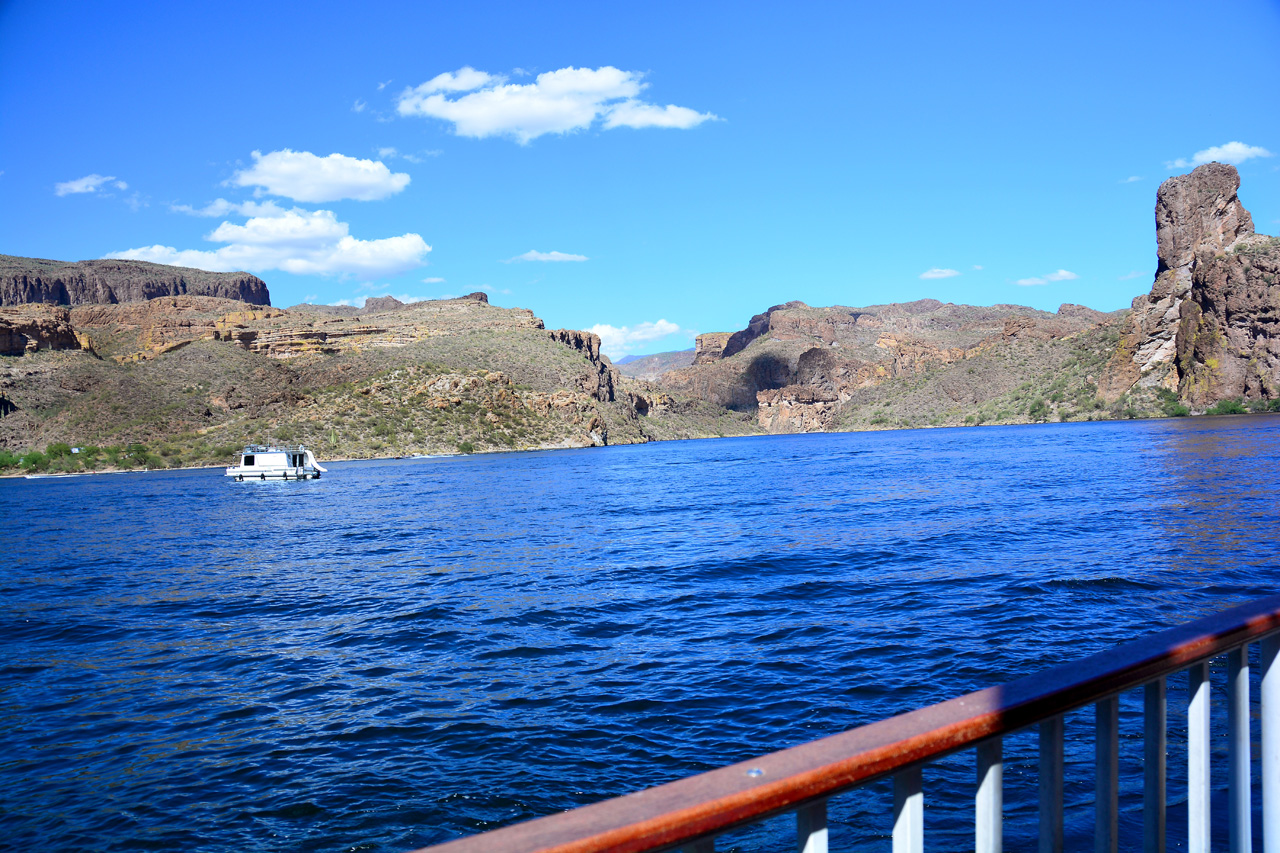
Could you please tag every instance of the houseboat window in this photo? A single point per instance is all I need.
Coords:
(248, 460)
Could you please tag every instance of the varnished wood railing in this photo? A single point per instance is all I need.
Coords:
(691, 812)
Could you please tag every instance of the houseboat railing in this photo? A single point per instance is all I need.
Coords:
(688, 814)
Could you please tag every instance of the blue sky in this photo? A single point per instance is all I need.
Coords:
(650, 170)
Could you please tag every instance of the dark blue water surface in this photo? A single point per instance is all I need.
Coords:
(408, 651)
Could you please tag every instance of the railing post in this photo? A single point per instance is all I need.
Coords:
(908, 811)
(1198, 758)
(811, 828)
(989, 801)
(1154, 749)
(1270, 745)
(1106, 835)
(1240, 800)
(1051, 785)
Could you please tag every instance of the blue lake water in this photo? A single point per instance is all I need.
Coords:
(407, 651)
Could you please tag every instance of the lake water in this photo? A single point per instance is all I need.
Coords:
(407, 651)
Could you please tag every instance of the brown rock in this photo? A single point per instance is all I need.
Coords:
(1210, 327)
(36, 327)
(709, 347)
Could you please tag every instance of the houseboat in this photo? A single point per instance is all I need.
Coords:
(276, 462)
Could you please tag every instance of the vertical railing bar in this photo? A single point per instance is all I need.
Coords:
(989, 800)
(1155, 740)
(1198, 758)
(908, 811)
(811, 828)
(1051, 785)
(1106, 827)
(1240, 801)
(1270, 699)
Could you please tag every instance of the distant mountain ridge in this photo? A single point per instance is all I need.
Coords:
(653, 365)
(25, 281)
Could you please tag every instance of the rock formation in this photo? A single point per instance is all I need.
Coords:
(382, 303)
(27, 280)
(709, 347)
(1210, 327)
(601, 380)
(32, 328)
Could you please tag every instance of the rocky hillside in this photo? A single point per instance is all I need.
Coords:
(1209, 330)
(803, 369)
(193, 377)
(28, 280)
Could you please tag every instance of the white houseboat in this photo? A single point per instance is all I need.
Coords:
(276, 462)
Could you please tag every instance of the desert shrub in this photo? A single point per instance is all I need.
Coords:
(1170, 405)
(1227, 407)
(9, 460)
(57, 449)
(466, 447)
(35, 461)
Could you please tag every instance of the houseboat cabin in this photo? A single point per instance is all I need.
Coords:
(276, 462)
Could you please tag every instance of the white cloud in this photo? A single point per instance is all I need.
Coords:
(389, 152)
(632, 113)
(1132, 274)
(304, 242)
(384, 85)
(556, 102)
(433, 280)
(358, 106)
(303, 176)
(535, 255)
(977, 266)
(1129, 180)
(1060, 275)
(621, 340)
(87, 184)
(939, 273)
(222, 207)
(1234, 153)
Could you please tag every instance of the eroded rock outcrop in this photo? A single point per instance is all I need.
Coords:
(602, 380)
(710, 346)
(36, 280)
(1210, 327)
(31, 328)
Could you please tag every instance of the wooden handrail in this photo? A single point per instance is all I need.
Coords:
(669, 815)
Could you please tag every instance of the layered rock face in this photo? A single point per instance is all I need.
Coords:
(29, 280)
(1210, 327)
(36, 327)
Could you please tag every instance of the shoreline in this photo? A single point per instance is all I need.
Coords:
(19, 475)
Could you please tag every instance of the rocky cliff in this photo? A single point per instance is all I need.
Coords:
(1209, 329)
(31, 328)
(28, 280)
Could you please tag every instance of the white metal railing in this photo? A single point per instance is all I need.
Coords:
(688, 814)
